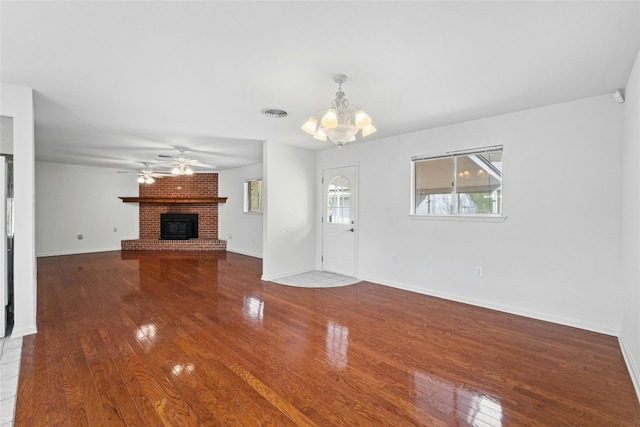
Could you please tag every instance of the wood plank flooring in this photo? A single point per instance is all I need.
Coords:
(186, 339)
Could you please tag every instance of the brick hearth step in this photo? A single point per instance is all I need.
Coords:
(174, 245)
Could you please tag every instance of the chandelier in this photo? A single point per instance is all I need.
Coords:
(340, 122)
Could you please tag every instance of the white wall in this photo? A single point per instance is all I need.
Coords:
(6, 136)
(630, 220)
(556, 256)
(17, 102)
(242, 231)
(289, 239)
(75, 200)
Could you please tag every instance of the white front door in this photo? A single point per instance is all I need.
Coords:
(339, 220)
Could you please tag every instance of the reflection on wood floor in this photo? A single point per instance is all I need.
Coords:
(145, 339)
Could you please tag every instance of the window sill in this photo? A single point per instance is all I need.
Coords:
(460, 218)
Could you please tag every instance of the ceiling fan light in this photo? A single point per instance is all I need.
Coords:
(362, 119)
(320, 135)
(368, 130)
(188, 171)
(141, 179)
(149, 180)
(310, 126)
(175, 171)
(330, 118)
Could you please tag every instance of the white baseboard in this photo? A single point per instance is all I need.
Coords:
(254, 255)
(280, 276)
(633, 372)
(498, 307)
(24, 331)
(76, 251)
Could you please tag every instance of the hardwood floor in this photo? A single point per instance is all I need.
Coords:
(182, 339)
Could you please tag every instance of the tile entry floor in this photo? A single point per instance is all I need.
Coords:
(317, 279)
(10, 351)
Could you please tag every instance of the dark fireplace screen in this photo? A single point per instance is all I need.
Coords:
(178, 226)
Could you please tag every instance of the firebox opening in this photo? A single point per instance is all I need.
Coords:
(178, 226)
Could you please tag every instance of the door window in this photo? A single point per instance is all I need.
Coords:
(339, 200)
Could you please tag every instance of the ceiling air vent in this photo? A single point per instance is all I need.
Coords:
(274, 112)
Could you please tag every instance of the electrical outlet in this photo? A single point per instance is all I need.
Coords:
(115, 229)
(479, 271)
(80, 237)
(230, 236)
(394, 258)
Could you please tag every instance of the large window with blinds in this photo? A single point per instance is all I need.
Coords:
(458, 183)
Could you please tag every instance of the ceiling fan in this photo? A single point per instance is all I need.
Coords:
(146, 175)
(182, 164)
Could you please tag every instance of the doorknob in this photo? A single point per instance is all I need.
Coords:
(351, 229)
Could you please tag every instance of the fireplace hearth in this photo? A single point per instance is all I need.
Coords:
(178, 226)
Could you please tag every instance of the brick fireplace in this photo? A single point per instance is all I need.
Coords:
(184, 194)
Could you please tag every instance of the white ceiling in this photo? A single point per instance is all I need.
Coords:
(117, 83)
